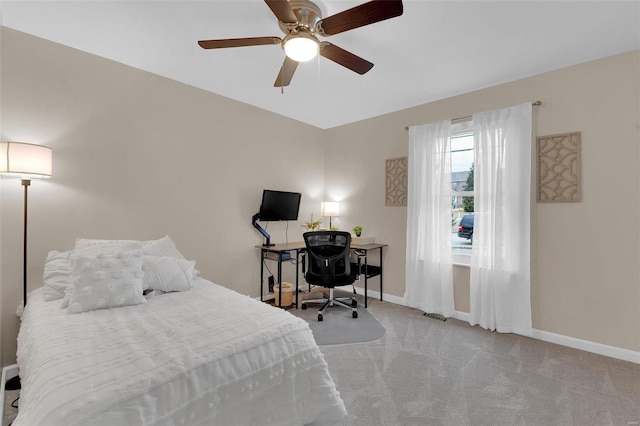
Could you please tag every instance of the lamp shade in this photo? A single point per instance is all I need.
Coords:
(330, 208)
(25, 160)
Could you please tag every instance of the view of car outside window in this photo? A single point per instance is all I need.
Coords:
(462, 193)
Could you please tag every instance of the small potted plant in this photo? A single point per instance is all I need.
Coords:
(357, 230)
(312, 225)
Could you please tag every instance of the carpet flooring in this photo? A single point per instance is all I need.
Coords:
(428, 372)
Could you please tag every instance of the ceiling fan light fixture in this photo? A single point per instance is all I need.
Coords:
(301, 21)
(301, 47)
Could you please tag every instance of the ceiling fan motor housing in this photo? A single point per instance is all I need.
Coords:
(308, 15)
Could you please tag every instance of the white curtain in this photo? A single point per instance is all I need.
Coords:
(429, 284)
(500, 260)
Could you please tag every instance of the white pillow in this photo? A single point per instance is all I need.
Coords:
(67, 296)
(164, 247)
(55, 278)
(95, 247)
(167, 273)
(106, 281)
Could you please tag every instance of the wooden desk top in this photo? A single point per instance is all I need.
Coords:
(284, 247)
(368, 247)
(300, 245)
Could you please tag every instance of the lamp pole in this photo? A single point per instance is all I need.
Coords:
(25, 183)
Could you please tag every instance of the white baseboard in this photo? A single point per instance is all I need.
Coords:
(265, 297)
(386, 297)
(559, 339)
(462, 316)
(586, 345)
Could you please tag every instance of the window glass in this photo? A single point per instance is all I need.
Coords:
(462, 200)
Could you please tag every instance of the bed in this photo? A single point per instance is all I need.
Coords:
(206, 356)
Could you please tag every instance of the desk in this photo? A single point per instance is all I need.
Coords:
(278, 249)
(369, 271)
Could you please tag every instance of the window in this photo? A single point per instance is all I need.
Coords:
(499, 143)
(462, 196)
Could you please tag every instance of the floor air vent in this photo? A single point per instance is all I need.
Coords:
(435, 316)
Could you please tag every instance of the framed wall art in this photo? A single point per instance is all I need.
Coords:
(559, 175)
(396, 181)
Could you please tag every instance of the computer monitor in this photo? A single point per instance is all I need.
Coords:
(279, 205)
(276, 206)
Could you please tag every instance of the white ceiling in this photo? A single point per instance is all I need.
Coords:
(436, 49)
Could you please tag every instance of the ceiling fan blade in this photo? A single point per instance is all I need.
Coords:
(359, 16)
(238, 42)
(286, 72)
(346, 59)
(282, 10)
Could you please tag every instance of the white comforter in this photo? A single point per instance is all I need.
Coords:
(208, 356)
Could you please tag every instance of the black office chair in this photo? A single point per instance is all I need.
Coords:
(330, 266)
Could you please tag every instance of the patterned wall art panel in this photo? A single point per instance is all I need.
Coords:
(559, 168)
(396, 181)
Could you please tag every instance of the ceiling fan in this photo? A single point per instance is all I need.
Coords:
(301, 22)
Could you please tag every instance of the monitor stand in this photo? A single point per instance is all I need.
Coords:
(254, 222)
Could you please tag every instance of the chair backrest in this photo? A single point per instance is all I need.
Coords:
(328, 253)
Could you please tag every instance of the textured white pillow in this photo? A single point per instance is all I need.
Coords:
(57, 269)
(167, 273)
(95, 247)
(164, 247)
(67, 296)
(106, 281)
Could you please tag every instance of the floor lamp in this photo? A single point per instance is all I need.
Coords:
(25, 161)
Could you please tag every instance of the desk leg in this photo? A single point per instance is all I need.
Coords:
(262, 275)
(280, 283)
(366, 274)
(297, 274)
(380, 273)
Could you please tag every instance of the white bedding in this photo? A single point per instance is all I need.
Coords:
(208, 356)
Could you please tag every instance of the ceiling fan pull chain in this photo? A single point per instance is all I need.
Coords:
(318, 58)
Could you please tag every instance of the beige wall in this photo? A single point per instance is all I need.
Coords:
(585, 273)
(140, 156)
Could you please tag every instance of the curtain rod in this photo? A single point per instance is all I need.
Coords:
(469, 117)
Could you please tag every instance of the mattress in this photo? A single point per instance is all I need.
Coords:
(208, 356)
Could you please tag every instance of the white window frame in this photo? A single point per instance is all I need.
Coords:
(461, 127)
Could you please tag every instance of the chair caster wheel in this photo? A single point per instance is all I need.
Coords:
(319, 317)
(304, 306)
(354, 303)
(354, 314)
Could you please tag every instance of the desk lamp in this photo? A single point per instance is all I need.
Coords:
(25, 161)
(330, 208)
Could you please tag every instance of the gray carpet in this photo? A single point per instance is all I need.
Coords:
(339, 327)
(425, 372)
